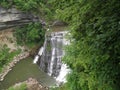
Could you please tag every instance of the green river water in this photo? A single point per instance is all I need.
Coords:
(24, 70)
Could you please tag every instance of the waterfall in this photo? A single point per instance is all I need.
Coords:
(38, 56)
(63, 72)
(36, 59)
(50, 55)
(40, 51)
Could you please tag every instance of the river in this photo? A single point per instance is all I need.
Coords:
(24, 70)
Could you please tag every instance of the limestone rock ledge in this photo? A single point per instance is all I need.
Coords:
(12, 17)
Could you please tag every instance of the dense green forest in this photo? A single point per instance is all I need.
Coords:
(94, 53)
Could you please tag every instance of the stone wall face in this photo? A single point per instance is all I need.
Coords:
(13, 17)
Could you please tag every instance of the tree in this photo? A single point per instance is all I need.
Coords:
(29, 34)
(94, 53)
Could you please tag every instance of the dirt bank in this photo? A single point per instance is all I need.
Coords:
(7, 38)
(32, 84)
(8, 68)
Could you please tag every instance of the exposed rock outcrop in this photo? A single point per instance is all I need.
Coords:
(13, 17)
(59, 23)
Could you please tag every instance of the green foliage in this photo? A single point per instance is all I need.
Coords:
(4, 52)
(45, 11)
(23, 86)
(39, 7)
(6, 56)
(5, 3)
(24, 5)
(63, 87)
(30, 34)
(94, 55)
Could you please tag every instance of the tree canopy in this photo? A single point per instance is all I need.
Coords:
(30, 34)
(94, 54)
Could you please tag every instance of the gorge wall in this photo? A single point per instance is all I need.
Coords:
(13, 17)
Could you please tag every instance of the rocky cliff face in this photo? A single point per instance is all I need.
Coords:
(12, 17)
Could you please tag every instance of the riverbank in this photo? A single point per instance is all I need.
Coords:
(9, 66)
(31, 84)
(7, 38)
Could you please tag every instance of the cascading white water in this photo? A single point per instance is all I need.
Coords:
(36, 59)
(58, 42)
(38, 56)
(40, 51)
(63, 72)
(50, 56)
(64, 69)
(52, 62)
